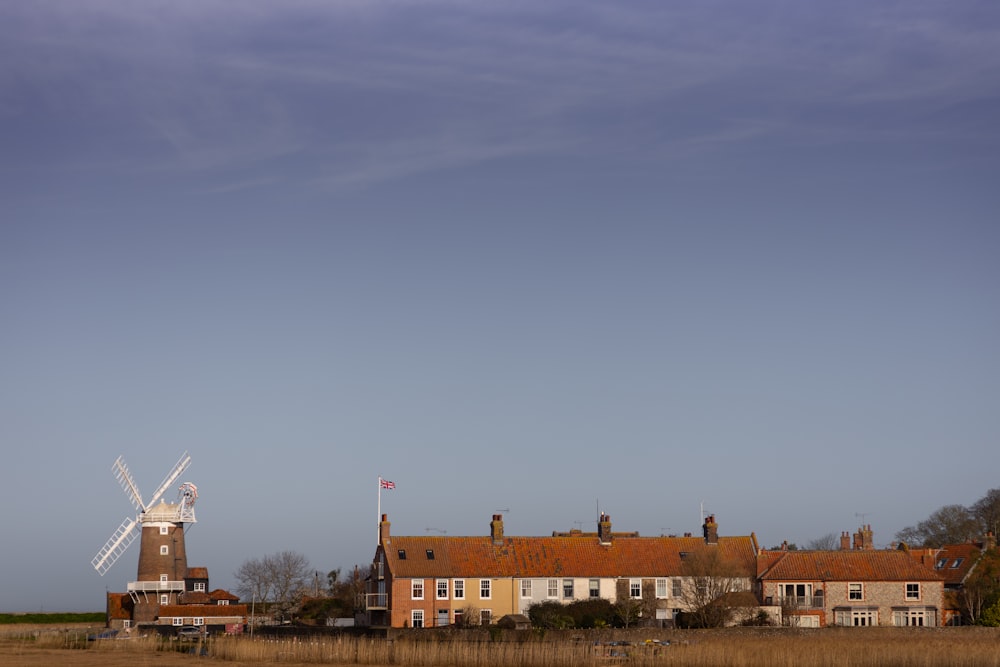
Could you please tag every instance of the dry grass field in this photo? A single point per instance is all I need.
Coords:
(868, 647)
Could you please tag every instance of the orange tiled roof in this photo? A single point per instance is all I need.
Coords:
(207, 611)
(847, 565)
(539, 557)
(222, 594)
(194, 597)
(196, 573)
(956, 561)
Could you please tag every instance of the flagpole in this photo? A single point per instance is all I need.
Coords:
(378, 515)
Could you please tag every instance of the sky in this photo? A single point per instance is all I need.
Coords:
(546, 259)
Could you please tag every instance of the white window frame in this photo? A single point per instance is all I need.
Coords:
(458, 588)
(417, 589)
(164, 550)
(526, 589)
(855, 587)
(594, 588)
(127, 623)
(568, 589)
(485, 589)
(164, 578)
(223, 603)
(417, 618)
(909, 617)
(661, 589)
(442, 589)
(177, 620)
(165, 598)
(199, 587)
(676, 587)
(912, 591)
(635, 589)
(164, 530)
(198, 620)
(552, 589)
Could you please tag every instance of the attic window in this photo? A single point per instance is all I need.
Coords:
(956, 563)
(402, 554)
(430, 554)
(684, 554)
(941, 563)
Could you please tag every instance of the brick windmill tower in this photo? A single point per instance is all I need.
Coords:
(159, 525)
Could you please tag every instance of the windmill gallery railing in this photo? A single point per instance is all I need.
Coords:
(155, 586)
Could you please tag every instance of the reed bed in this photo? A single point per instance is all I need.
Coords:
(864, 647)
(829, 647)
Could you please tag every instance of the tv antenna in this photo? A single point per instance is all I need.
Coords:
(505, 510)
(863, 515)
(436, 530)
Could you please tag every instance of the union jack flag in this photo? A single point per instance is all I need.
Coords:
(386, 484)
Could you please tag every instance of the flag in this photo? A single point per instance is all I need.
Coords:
(386, 484)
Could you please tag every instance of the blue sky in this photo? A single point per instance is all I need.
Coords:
(521, 256)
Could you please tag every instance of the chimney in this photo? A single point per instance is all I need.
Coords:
(784, 545)
(866, 536)
(383, 530)
(604, 529)
(990, 541)
(845, 541)
(711, 530)
(496, 529)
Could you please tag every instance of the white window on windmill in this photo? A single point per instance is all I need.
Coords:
(164, 550)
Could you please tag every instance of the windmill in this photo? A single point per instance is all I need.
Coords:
(160, 525)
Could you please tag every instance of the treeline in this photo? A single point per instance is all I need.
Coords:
(47, 619)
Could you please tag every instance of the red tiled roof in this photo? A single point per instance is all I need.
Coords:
(194, 597)
(207, 610)
(221, 594)
(197, 573)
(555, 556)
(847, 565)
(957, 561)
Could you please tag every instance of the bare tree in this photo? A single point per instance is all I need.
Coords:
(252, 581)
(951, 524)
(828, 542)
(986, 510)
(711, 580)
(276, 580)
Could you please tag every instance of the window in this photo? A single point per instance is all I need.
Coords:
(417, 618)
(526, 588)
(484, 589)
(442, 589)
(676, 588)
(164, 599)
(485, 616)
(567, 588)
(595, 588)
(164, 530)
(912, 591)
(635, 588)
(223, 603)
(955, 563)
(178, 620)
(164, 550)
(430, 554)
(127, 623)
(553, 590)
(855, 592)
(417, 589)
(402, 554)
(856, 617)
(458, 617)
(941, 563)
(459, 589)
(198, 620)
(913, 617)
(164, 577)
(199, 586)
(661, 588)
